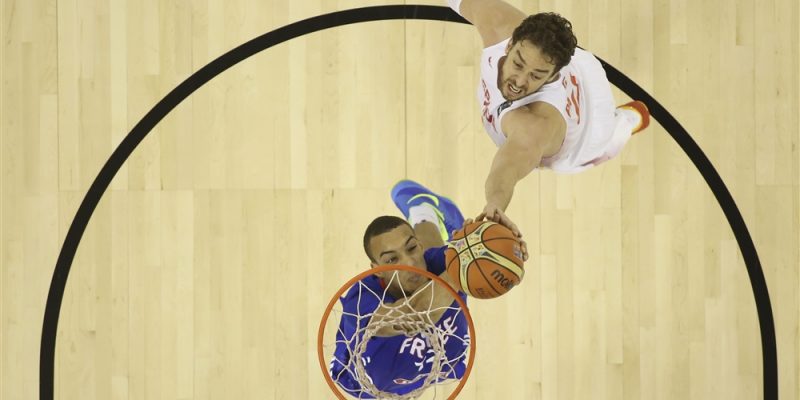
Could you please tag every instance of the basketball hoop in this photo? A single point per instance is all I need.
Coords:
(418, 326)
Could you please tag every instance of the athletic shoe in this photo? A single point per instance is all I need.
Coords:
(641, 109)
(408, 193)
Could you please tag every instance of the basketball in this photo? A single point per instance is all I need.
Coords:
(485, 259)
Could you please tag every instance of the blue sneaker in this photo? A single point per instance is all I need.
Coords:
(408, 193)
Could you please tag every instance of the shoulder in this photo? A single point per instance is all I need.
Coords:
(543, 111)
(364, 295)
(538, 116)
(538, 125)
(435, 259)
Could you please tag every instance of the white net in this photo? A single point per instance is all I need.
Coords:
(396, 346)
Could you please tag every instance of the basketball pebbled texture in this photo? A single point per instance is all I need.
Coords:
(485, 259)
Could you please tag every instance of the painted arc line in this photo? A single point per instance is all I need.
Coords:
(382, 13)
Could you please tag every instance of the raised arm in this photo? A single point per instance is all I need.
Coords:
(494, 19)
(531, 131)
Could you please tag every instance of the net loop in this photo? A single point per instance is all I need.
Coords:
(423, 337)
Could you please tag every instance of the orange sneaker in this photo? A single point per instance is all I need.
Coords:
(644, 114)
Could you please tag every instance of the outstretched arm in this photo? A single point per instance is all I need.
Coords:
(494, 19)
(529, 134)
(513, 161)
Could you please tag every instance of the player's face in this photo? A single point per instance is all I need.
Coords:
(524, 70)
(400, 247)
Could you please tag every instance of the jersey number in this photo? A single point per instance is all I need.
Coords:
(574, 99)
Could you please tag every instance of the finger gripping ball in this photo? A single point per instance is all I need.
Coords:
(485, 259)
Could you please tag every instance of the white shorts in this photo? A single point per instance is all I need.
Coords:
(606, 130)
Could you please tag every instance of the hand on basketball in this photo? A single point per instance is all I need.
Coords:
(493, 213)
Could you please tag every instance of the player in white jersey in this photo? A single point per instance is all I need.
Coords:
(544, 102)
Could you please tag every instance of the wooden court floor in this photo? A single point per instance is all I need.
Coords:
(205, 268)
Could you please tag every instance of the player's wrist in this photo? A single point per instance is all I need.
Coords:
(499, 193)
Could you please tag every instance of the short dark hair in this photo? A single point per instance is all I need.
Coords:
(552, 33)
(379, 226)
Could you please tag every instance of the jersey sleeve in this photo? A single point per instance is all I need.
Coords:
(434, 259)
(395, 364)
(358, 304)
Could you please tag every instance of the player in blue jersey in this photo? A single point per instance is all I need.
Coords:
(545, 102)
(396, 359)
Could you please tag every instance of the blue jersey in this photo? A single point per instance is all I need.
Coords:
(396, 364)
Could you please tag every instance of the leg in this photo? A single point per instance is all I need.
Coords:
(623, 130)
(418, 204)
(428, 234)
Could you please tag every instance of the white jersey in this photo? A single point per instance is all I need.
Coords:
(581, 94)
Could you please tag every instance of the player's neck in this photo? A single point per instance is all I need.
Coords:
(556, 76)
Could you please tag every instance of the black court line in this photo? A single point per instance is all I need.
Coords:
(381, 13)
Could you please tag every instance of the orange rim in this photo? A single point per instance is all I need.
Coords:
(338, 294)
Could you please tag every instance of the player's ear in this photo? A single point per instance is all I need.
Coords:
(508, 46)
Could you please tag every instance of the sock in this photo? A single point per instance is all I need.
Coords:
(631, 115)
(427, 212)
(455, 5)
(422, 212)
